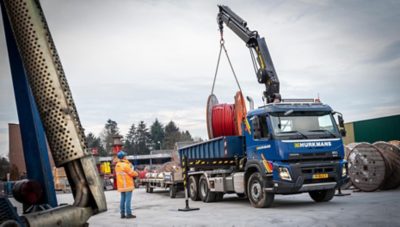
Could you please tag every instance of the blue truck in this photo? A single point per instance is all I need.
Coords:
(284, 147)
(287, 148)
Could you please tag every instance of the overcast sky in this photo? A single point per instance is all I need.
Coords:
(141, 60)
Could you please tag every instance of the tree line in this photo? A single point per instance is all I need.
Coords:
(140, 139)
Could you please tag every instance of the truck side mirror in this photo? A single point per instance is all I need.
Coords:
(342, 132)
(341, 122)
(342, 129)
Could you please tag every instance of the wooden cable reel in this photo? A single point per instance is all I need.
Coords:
(373, 167)
(367, 167)
(395, 142)
(392, 155)
(348, 148)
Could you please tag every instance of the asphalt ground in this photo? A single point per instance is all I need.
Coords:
(380, 208)
(157, 209)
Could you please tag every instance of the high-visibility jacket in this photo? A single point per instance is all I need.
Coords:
(125, 174)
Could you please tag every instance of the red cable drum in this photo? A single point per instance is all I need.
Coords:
(223, 120)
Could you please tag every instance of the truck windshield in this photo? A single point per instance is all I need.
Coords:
(304, 125)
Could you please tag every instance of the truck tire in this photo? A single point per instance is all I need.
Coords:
(204, 192)
(322, 195)
(172, 191)
(193, 192)
(257, 196)
(148, 188)
(219, 196)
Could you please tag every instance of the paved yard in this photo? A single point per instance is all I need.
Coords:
(157, 209)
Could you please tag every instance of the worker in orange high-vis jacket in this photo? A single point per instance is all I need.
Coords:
(125, 185)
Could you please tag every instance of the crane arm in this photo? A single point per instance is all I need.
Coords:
(264, 67)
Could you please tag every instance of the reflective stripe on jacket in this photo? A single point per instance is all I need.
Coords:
(125, 174)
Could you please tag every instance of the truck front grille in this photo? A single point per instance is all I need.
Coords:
(313, 156)
(321, 169)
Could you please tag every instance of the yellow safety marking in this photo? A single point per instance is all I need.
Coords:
(266, 164)
(262, 64)
(248, 128)
(203, 162)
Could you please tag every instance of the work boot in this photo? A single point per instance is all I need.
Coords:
(123, 216)
(130, 216)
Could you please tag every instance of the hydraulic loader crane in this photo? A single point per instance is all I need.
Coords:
(264, 67)
(284, 147)
(47, 115)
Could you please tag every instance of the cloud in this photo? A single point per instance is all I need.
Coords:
(389, 53)
(138, 60)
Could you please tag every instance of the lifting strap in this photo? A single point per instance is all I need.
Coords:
(222, 46)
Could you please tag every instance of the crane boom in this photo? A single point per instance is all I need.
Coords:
(264, 67)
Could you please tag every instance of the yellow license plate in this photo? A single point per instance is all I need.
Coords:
(320, 176)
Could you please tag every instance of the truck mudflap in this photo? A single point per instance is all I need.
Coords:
(308, 177)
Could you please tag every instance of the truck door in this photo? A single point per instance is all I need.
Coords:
(259, 140)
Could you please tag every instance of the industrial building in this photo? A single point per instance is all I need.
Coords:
(372, 130)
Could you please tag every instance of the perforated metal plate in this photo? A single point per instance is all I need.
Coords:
(47, 81)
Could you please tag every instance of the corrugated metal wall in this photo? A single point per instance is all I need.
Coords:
(385, 129)
(378, 129)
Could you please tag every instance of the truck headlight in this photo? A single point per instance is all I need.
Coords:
(344, 171)
(284, 173)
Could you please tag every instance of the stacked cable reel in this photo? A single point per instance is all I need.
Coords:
(374, 166)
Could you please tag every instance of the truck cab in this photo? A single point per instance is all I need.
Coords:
(295, 147)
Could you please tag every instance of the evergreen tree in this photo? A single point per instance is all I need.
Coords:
(110, 129)
(157, 134)
(185, 136)
(198, 139)
(172, 135)
(131, 141)
(143, 138)
(4, 168)
(95, 142)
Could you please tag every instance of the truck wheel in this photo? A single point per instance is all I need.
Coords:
(193, 192)
(148, 188)
(204, 192)
(257, 196)
(172, 191)
(219, 196)
(322, 195)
